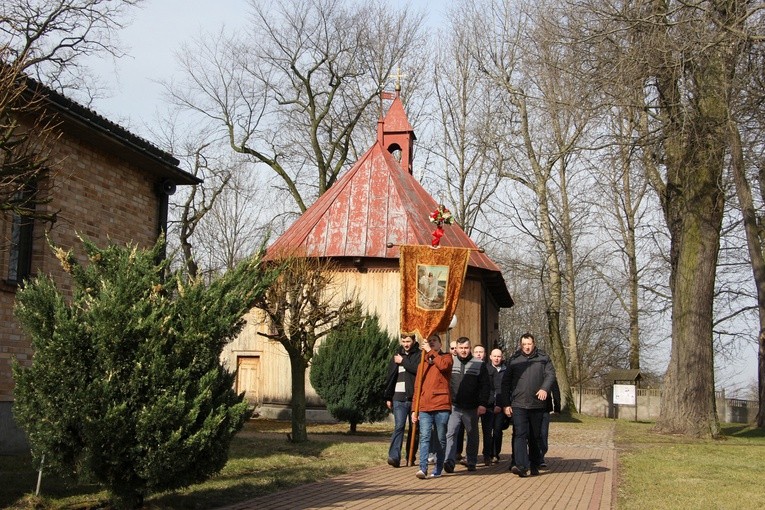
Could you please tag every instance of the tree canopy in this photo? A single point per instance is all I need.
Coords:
(126, 386)
(348, 371)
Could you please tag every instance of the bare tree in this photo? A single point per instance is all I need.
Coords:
(49, 38)
(678, 58)
(530, 70)
(752, 220)
(291, 94)
(44, 40)
(470, 140)
(303, 306)
(623, 199)
(25, 138)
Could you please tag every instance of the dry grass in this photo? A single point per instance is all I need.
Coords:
(663, 472)
(261, 461)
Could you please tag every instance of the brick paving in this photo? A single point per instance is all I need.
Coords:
(581, 475)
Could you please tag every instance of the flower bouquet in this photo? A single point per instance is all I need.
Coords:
(440, 216)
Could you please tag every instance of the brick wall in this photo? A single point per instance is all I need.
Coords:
(98, 195)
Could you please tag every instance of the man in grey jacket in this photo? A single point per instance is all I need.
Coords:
(470, 387)
(525, 387)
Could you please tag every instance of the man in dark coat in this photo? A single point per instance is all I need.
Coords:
(470, 388)
(525, 387)
(399, 390)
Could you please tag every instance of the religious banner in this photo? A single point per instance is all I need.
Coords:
(431, 282)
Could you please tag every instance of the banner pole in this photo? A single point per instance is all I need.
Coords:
(479, 250)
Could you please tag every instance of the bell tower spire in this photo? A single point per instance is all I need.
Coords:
(396, 134)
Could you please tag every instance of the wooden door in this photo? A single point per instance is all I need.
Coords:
(248, 378)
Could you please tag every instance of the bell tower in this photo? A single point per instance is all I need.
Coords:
(395, 133)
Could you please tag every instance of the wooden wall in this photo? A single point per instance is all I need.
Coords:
(379, 290)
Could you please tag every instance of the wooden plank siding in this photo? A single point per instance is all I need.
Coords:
(379, 290)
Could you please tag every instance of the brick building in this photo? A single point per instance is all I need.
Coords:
(104, 183)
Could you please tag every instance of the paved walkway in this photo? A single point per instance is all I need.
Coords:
(582, 475)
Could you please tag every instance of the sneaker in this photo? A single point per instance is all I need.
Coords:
(449, 466)
(496, 460)
(543, 465)
(421, 474)
(431, 458)
(471, 467)
(463, 461)
(435, 475)
(394, 462)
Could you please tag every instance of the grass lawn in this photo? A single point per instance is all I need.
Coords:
(669, 472)
(261, 461)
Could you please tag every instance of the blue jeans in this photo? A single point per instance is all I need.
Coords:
(401, 416)
(527, 429)
(427, 420)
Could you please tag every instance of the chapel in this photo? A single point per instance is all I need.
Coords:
(359, 224)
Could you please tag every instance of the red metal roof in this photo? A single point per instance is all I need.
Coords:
(374, 204)
(396, 120)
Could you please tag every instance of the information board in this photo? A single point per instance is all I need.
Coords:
(624, 394)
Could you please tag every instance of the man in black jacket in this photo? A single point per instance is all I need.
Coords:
(527, 382)
(493, 421)
(470, 387)
(399, 389)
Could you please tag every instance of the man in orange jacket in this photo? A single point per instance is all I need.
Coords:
(433, 402)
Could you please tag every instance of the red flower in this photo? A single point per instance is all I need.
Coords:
(438, 233)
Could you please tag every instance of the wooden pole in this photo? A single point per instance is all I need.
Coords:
(479, 250)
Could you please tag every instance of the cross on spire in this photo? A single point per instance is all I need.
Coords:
(398, 77)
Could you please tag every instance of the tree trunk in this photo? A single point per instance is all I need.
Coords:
(558, 357)
(574, 359)
(633, 276)
(756, 258)
(694, 211)
(695, 118)
(634, 308)
(554, 279)
(298, 367)
(761, 381)
(688, 400)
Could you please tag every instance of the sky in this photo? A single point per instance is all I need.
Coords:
(157, 33)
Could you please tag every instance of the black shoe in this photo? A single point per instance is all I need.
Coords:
(543, 465)
(534, 471)
(449, 466)
(394, 462)
(486, 460)
(523, 473)
(471, 467)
